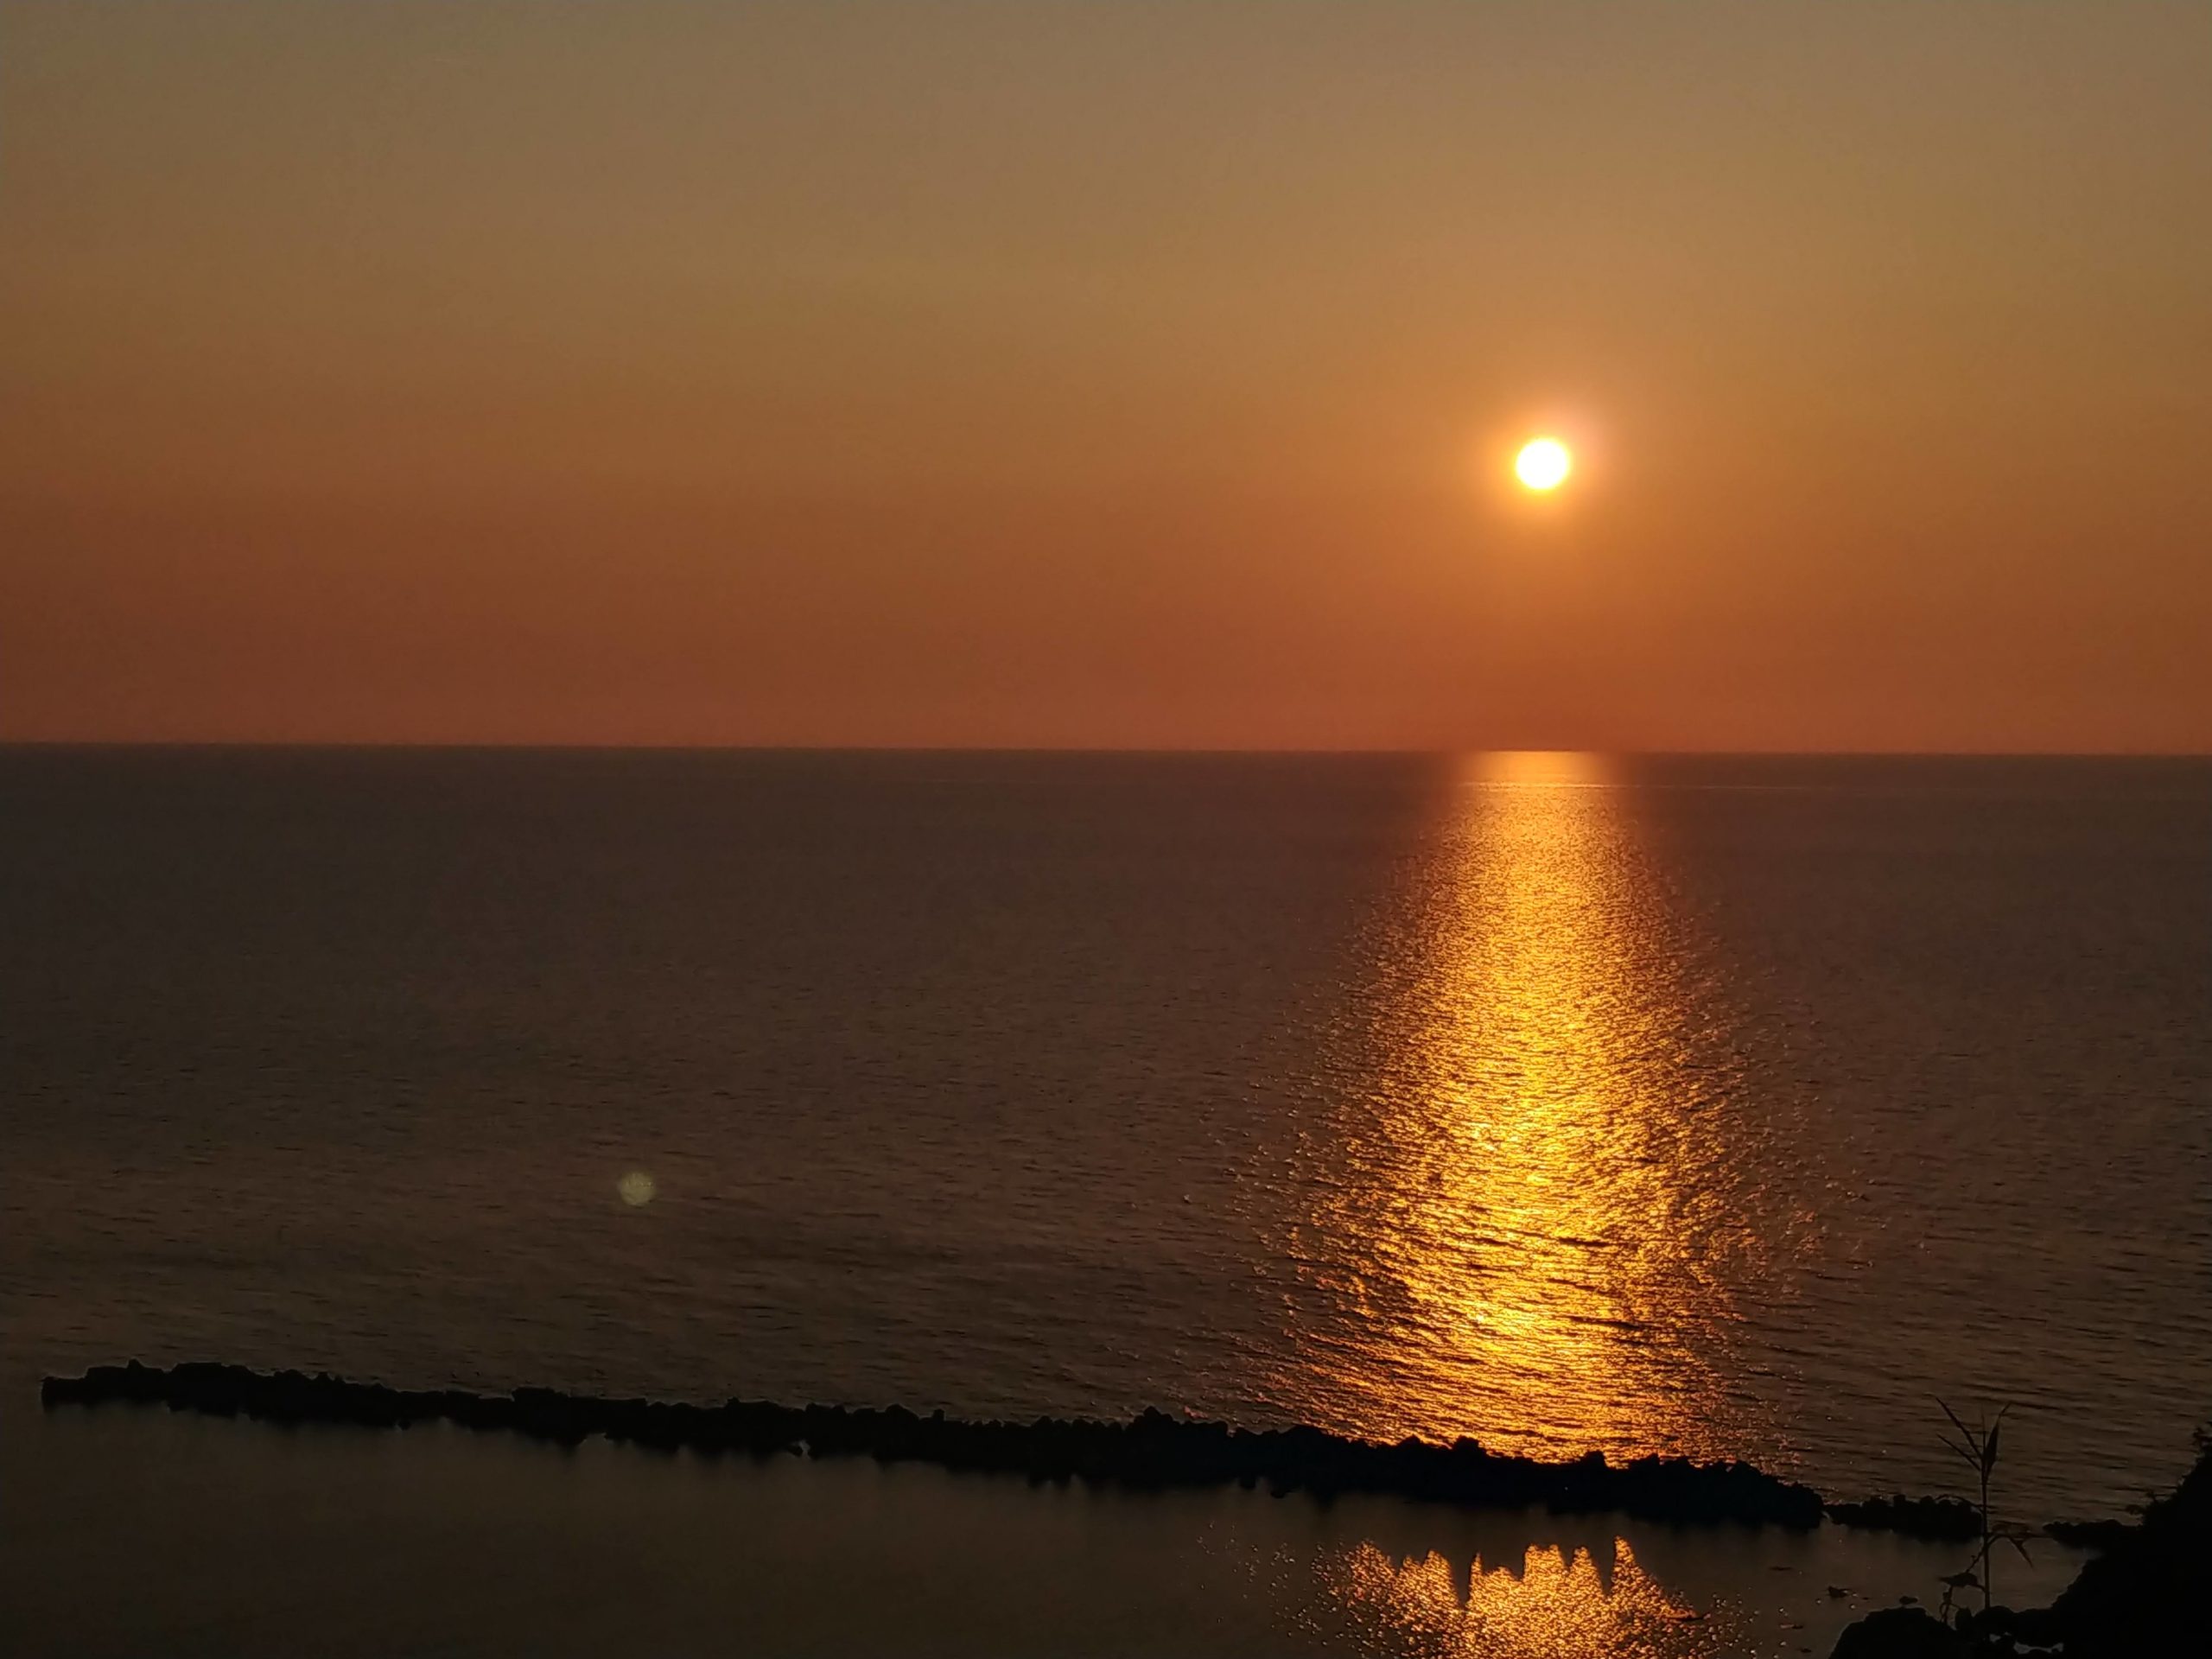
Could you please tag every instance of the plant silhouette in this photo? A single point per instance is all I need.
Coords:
(1977, 1447)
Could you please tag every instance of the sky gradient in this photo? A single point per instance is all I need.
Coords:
(1107, 376)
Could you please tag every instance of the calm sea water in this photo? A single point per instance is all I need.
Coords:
(1727, 1107)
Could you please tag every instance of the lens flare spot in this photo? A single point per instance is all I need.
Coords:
(636, 1189)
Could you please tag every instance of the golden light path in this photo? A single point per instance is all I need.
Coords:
(1528, 1220)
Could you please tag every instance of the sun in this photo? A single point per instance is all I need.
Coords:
(1543, 464)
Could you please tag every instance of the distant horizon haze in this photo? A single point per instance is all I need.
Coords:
(995, 376)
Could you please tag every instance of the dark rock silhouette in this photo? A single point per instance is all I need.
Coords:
(2141, 1599)
(2144, 1596)
(1917, 1517)
(1901, 1633)
(2090, 1534)
(1154, 1451)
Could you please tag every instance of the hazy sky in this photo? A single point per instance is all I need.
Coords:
(1108, 374)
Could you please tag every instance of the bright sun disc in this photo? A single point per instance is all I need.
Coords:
(1543, 464)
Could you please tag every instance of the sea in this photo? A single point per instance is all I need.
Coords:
(1754, 1108)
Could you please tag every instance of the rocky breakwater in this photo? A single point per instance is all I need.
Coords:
(1151, 1452)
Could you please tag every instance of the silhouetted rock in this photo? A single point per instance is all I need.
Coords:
(1152, 1451)
(2141, 1599)
(1916, 1517)
(1901, 1633)
(2145, 1598)
(2002, 1629)
(2090, 1534)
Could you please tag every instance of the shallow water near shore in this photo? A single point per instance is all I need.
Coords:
(1713, 1108)
(189, 1535)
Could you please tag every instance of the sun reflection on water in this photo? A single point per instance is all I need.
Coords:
(1526, 1221)
(1552, 1608)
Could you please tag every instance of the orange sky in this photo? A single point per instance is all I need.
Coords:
(1130, 375)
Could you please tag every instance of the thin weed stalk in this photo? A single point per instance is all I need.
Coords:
(1977, 1447)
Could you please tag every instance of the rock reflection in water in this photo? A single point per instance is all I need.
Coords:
(1529, 1222)
(1554, 1607)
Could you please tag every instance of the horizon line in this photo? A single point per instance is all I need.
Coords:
(1194, 751)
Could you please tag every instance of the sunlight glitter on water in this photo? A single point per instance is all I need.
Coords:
(1353, 1091)
(1553, 1608)
(1533, 1227)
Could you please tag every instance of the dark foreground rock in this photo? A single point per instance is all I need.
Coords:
(1901, 1633)
(1152, 1451)
(2143, 1598)
(2147, 1597)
